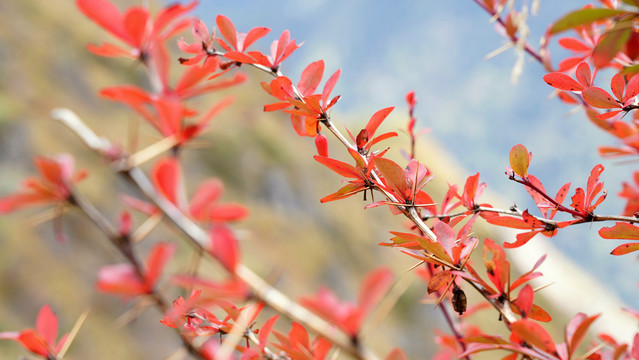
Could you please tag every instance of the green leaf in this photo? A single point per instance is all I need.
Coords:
(519, 160)
(583, 17)
(630, 69)
(611, 43)
(631, 2)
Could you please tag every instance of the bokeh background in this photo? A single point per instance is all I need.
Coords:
(474, 110)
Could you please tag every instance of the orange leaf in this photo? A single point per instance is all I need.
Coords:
(625, 249)
(620, 231)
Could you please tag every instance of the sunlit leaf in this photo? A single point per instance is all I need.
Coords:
(625, 249)
(562, 82)
(394, 176)
(519, 160)
(583, 17)
(599, 98)
(534, 334)
(621, 230)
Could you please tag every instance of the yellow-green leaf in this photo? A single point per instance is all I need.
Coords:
(583, 17)
(519, 160)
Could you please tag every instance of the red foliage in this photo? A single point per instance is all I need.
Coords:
(41, 340)
(52, 187)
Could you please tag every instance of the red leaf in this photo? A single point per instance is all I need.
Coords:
(562, 82)
(227, 29)
(253, 35)
(583, 74)
(632, 89)
(522, 239)
(339, 167)
(265, 330)
(376, 120)
(165, 175)
(311, 77)
(573, 44)
(105, 14)
(599, 98)
(394, 176)
(157, 259)
(534, 334)
(239, 57)
(208, 192)
(225, 247)
(373, 289)
(47, 325)
(328, 87)
(445, 237)
(321, 144)
(396, 354)
(135, 22)
(509, 221)
(576, 330)
(120, 279)
(33, 342)
(524, 300)
(617, 84)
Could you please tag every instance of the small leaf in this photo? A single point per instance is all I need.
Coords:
(311, 77)
(562, 82)
(394, 177)
(519, 160)
(396, 354)
(524, 300)
(580, 331)
(599, 98)
(620, 231)
(534, 334)
(376, 120)
(438, 280)
(583, 17)
(625, 249)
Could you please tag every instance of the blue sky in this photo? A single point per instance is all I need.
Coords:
(437, 49)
